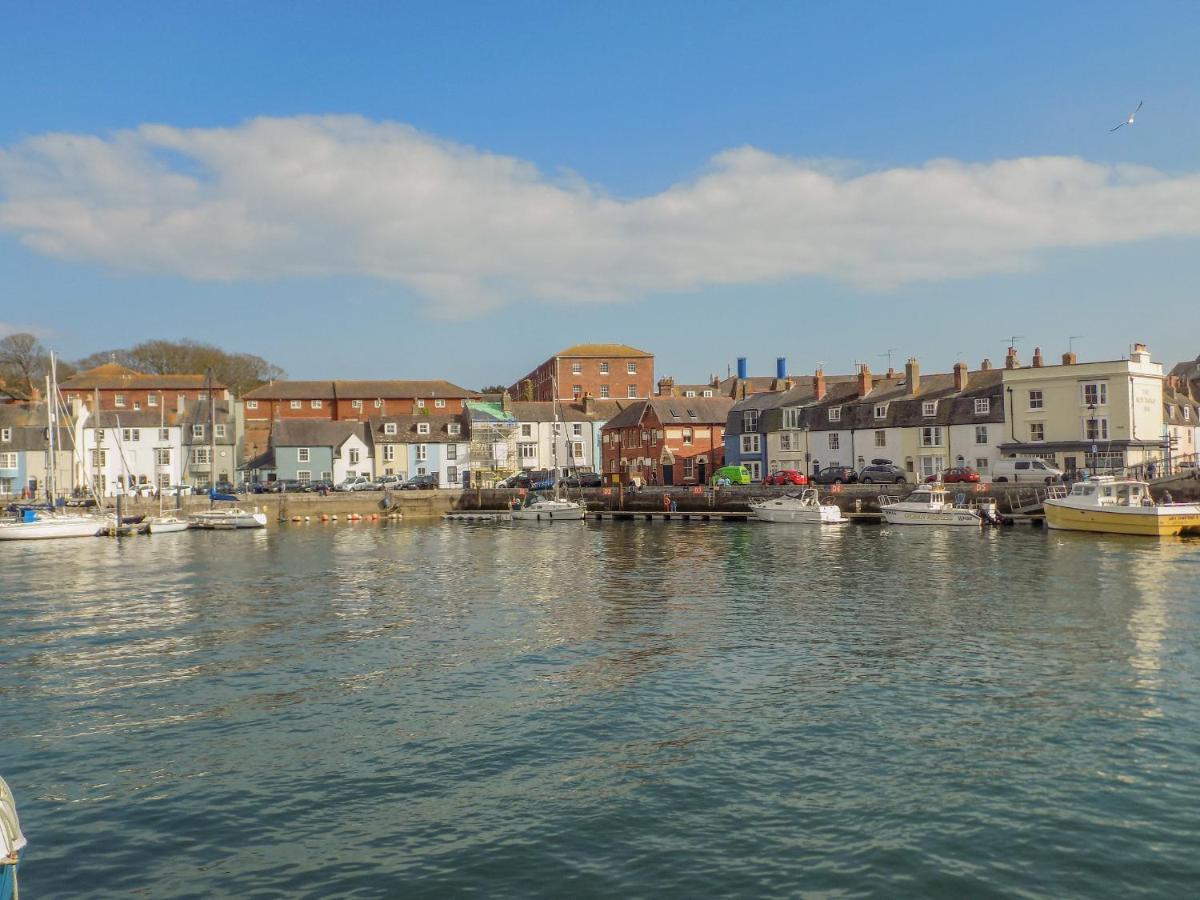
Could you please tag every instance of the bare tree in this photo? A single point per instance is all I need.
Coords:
(24, 362)
(239, 372)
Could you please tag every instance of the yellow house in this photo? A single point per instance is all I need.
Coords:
(1097, 415)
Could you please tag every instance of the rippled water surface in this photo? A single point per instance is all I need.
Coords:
(617, 709)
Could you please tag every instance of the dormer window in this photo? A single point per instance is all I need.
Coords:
(454, 428)
(422, 428)
(1187, 414)
(389, 427)
(881, 410)
(707, 394)
(929, 408)
(983, 406)
(835, 414)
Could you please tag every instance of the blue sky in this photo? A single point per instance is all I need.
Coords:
(621, 117)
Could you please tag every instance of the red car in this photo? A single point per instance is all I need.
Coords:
(786, 476)
(956, 475)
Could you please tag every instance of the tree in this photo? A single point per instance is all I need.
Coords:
(493, 389)
(239, 372)
(24, 362)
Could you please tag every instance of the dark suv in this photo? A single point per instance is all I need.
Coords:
(882, 473)
(835, 475)
(420, 483)
(583, 480)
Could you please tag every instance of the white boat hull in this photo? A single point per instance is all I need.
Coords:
(167, 526)
(967, 518)
(550, 511)
(812, 515)
(227, 520)
(52, 527)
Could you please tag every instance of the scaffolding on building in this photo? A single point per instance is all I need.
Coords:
(493, 441)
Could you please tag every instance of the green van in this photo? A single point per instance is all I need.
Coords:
(731, 475)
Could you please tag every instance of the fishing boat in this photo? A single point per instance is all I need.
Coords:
(930, 504)
(804, 508)
(1112, 505)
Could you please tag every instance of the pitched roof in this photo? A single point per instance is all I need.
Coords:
(406, 429)
(548, 410)
(614, 350)
(114, 376)
(291, 390)
(674, 411)
(316, 433)
(358, 390)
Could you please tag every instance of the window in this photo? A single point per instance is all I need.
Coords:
(389, 427)
(119, 400)
(706, 393)
(603, 368)
(251, 404)
(604, 390)
(378, 403)
(929, 408)
(420, 403)
(1035, 400)
(632, 392)
(835, 442)
(201, 456)
(452, 474)
(152, 400)
(785, 440)
(422, 428)
(1187, 414)
(689, 393)
(689, 468)
(645, 437)
(687, 437)
(835, 414)
(631, 368)
(791, 418)
(981, 435)
(197, 431)
(164, 434)
(1096, 429)
(527, 451)
(931, 436)
(220, 432)
(180, 401)
(526, 430)
(389, 452)
(99, 459)
(454, 428)
(750, 443)
(577, 391)
(439, 404)
(9, 460)
(981, 464)
(931, 465)
(983, 406)
(5, 434)
(880, 438)
(1037, 431)
(577, 429)
(99, 435)
(1095, 394)
(452, 451)
(131, 435)
(137, 404)
(755, 468)
(576, 368)
(303, 454)
(295, 404)
(353, 456)
(304, 476)
(881, 410)
(315, 404)
(422, 452)
(356, 404)
(750, 420)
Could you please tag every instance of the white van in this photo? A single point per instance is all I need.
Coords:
(1026, 470)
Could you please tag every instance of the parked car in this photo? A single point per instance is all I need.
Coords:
(956, 475)
(388, 482)
(882, 473)
(584, 480)
(544, 484)
(731, 475)
(355, 483)
(786, 476)
(283, 486)
(144, 490)
(520, 480)
(836, 475)
(421, 483)
(315, 487)
(259, 487)
(1025, 470)
(179, 490)
(226, 487)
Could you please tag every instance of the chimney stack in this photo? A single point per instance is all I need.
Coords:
(1140, 354)
(912, 375)
(666, 386)
(1038, 362)
(960, 377)
(1069, 358)
(891, 373)
(865, 382)
(589, 404)
(1011, 361)
(819, 385)
(742, 368)
(985, 366)
(781, 367)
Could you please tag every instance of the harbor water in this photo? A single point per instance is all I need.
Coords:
(618, 709)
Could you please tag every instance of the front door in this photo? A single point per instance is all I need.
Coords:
(1069, 463)
(702, 470)
(668, 474)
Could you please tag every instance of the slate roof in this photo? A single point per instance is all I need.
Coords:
(28, 424)
(358, 390)
(195, 413)
(606, 350)
(113, 376)
(545, 410)
(674, 411)
(406, 429)
(291, 390)
(317, 433)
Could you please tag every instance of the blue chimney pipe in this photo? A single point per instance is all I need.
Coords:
(781, 367)
(742, 371)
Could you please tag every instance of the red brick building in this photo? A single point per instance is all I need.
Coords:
(121, 388)
(606, 371)
(666, 440)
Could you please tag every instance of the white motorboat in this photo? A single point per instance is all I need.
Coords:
(805, 508)
(228, 519)
(38, 525)
(930, 504)
(550, 510)
(1111, 505)
(166, 525)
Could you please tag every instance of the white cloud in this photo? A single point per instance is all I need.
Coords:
(469, 229)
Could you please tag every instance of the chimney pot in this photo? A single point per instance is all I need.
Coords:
(1069, 359)
(1038, 362)
(819, 385)
(1011, 361)
(865, 382)
(985, 366)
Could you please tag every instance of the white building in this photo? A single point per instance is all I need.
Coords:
(123, 450)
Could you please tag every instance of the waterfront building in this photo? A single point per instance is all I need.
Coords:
(424, 445)
(606, 371)
(120, 389)
(306, 450)
(665, 440)
(209, 459)
(1181, 423)
(25, 456)
(1101, 416)
(125, 450)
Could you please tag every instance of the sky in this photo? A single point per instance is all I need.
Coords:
(459, 190)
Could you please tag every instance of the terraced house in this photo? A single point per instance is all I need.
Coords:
(424, 445)
(25, 455)
(665, 440)
(307, 451)
(121, 389)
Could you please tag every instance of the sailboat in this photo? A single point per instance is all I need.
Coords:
(551, 509)
(163, 523)
(38, 523)
(225, 518)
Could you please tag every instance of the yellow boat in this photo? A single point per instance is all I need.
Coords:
(1120, 506)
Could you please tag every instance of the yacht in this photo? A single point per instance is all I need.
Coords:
(228, 519)
(36, 524)
(1112, 505)
(930, 504)
(550, 509)
(805, 508)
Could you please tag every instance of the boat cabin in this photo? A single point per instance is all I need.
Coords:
(1108, 491)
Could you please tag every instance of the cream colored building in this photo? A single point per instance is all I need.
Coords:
(1098, 416)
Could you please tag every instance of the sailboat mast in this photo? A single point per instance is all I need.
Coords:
(212, 437)
(50, 440)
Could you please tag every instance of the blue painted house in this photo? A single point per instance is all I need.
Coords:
(406, 446)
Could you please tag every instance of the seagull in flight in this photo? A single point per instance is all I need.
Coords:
(1129, 121)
